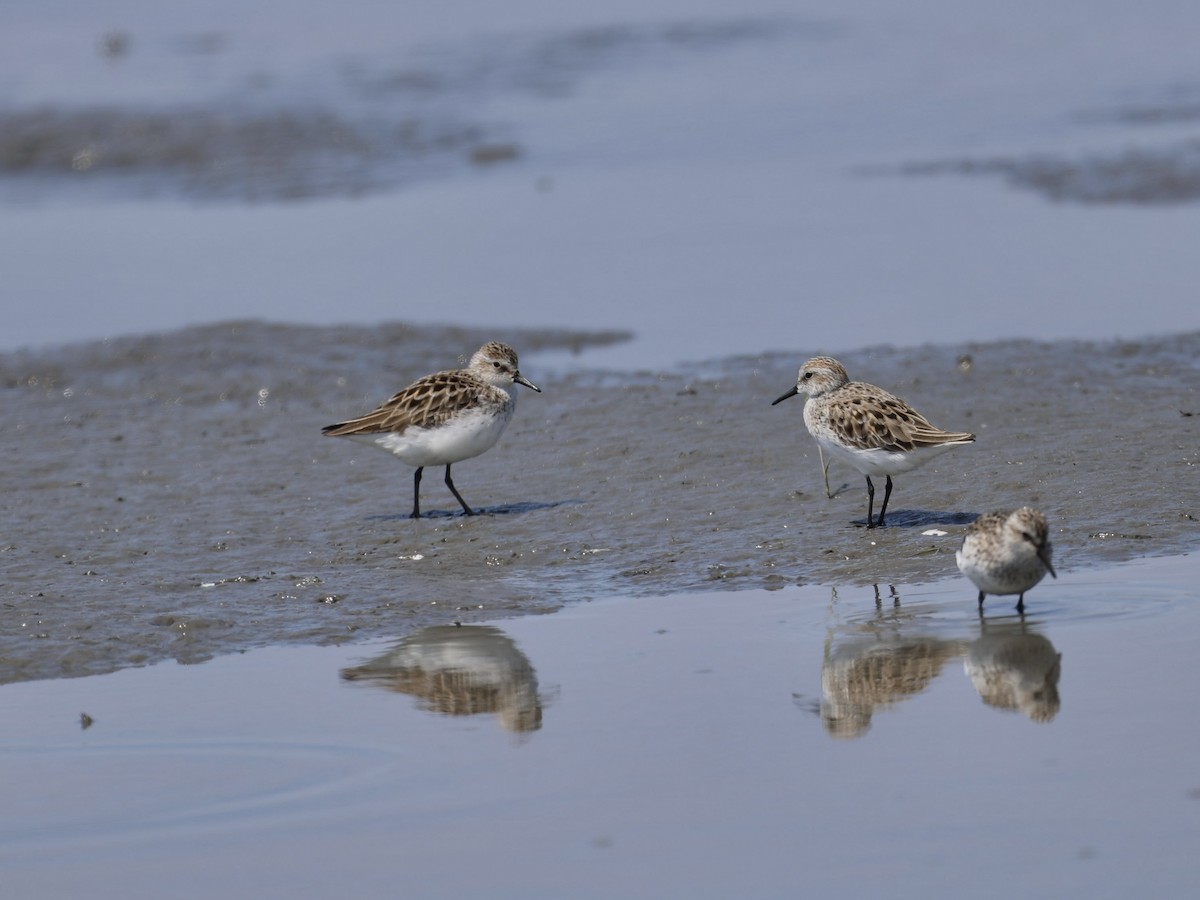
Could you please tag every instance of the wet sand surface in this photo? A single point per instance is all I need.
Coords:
(171, 496)
(807, 741)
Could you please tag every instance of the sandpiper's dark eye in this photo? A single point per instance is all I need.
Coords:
(808, 374)
(495, 365)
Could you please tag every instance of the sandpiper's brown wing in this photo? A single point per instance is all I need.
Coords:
(426, 403)
(870, 418)
(986, 522)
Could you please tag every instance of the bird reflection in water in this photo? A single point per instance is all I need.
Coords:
(460, 670)
(876, 663)
(864, 675)
(1016, 669)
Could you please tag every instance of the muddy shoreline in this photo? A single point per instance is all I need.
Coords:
(170, 496)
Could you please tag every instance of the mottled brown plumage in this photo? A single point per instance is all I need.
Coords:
(426, 403)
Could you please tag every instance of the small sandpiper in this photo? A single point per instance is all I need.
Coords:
(446, 417)
(1006, 552)
(875, 432)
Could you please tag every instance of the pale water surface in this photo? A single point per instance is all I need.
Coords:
(715, 177)
(807, 741)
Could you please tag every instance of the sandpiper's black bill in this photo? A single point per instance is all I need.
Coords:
(792, 393)
(521, 379)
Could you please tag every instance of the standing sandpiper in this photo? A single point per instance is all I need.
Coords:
(446, 417)
(872, 430)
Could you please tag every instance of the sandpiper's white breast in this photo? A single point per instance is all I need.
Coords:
(1014, 575)
(975, 567)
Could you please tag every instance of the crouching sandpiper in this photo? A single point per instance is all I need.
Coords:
(1006, 553)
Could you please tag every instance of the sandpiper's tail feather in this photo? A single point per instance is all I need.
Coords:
(933, 436)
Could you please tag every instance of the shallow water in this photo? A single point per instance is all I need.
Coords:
(182, 503)
(761, 743)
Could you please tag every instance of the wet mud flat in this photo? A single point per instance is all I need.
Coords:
(171, 496)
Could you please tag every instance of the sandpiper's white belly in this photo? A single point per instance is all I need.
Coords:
(881, 462)
(1014, 573)
(468, 434)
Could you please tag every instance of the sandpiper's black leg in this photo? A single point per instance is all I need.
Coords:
(1021, 604)
(887, 493)
(457, 495)
(981, 603)
(870, 502)
(416, 513)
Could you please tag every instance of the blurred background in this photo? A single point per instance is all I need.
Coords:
(717, 177)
